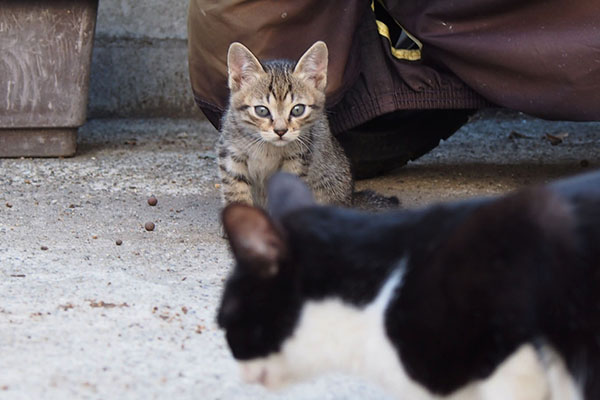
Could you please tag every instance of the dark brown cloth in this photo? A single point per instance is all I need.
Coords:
(271, 29)
(541, 57)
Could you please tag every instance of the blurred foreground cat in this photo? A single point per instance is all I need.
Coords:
(494, 298)
(276, 121)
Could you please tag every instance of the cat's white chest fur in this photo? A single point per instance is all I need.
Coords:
(265, 160)
(264, 164)
(335, 336)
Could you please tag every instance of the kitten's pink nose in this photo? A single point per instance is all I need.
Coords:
(280, 132)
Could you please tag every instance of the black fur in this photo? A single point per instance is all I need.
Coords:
(482, 277)
(284, 194)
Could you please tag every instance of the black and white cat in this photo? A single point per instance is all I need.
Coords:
(495, 298)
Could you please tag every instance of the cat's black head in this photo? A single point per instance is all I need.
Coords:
(261, 302)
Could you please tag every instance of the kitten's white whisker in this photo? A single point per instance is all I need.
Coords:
(304, 143)
(256, 145)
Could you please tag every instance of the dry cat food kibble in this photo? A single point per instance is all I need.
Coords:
(149, 226)
(119, 242)
(152, 200)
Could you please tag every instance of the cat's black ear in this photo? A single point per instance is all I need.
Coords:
(242, 66)
(312, 65)
(285, 193)
(254, 240)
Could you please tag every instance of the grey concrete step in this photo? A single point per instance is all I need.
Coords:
(140, 78)
(139, 65)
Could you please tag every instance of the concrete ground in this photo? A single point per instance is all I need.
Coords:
(82, 317)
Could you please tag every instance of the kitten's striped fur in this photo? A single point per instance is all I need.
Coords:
(252, 147)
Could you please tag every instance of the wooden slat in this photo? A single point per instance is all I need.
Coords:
(52, 142)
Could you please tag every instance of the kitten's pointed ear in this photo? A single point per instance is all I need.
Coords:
(313, 65)
(254, 240)
(242, 66)
(287, 192)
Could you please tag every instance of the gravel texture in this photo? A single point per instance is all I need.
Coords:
(84, 318)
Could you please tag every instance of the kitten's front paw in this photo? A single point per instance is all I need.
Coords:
(222, 232)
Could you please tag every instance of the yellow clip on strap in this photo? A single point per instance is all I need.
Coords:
(401, 54)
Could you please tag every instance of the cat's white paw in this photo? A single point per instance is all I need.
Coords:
(263, 372)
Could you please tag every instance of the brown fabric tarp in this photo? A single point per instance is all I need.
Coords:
(540, 57)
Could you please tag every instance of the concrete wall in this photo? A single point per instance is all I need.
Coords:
(139, 65)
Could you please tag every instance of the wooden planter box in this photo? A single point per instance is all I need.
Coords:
(45, 57)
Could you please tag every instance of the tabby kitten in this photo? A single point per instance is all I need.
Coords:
(276, 121)
(495, 298)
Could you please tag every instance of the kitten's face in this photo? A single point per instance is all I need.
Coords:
(277, 102)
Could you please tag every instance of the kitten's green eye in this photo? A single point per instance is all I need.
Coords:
(262, 111)
(298, 110)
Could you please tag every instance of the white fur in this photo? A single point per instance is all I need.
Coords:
(562, 385)
(264, 165)
(530, 375)
(519, 377)
(264, 160)
(335, 336)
